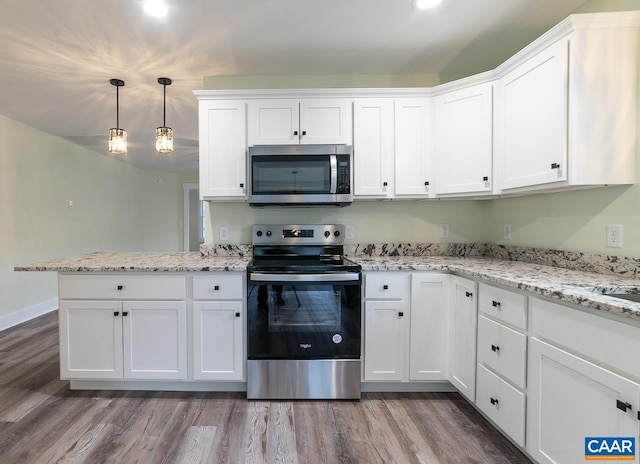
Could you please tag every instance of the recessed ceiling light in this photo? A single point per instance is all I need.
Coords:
(156, 8)
(426, 4)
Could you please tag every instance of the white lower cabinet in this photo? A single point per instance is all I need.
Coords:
(583, 381)
(570, 399)
(385, 333)
(123, 339)
(218, 343)
(406, 326)
(429, 337)
(462, 335)
(501, 379)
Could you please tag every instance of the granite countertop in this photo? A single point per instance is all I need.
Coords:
(570, 286)
(142, 262)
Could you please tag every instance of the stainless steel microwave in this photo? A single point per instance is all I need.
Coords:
(300, 175)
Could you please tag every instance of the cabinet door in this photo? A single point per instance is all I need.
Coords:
(532, 128)
(274, 122)
(385, 334)
(155, 339)
(373, 147)
(223, 147)
(462, 368)
(90, 339)
(428, 353)
(413, 147)
(325, 121)
(218, 344)
(464, 140)
(569, 399)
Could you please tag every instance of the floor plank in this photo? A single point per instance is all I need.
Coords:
(42, 421)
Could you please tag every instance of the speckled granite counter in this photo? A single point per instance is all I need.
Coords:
(142, 262)
(570, 286)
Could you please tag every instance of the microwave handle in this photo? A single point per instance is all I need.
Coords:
(334, 174)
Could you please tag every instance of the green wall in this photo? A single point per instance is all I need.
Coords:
(374, 221)
(117, 208)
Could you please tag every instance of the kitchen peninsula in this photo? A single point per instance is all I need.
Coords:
(515, 338)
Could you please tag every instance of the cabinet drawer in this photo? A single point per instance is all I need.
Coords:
(386, 286)
(506, 306)
(224, 286)
(602, 340)
(122, 287)
(502, 403)
(503, 349)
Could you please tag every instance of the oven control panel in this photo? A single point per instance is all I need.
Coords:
(298, 234)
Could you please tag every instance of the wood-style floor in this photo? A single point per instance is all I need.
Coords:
(42, 421)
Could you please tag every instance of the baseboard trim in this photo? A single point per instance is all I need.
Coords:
(26, 314)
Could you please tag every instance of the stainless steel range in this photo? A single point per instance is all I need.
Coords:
(303, 314)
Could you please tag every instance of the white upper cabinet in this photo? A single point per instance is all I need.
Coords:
(223, 148)
(294, 122)
(464, 140)
(566, 108)
(413, 147)
(373, 147)
(532, 120)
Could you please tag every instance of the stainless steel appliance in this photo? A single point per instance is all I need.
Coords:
(300, 175)
(303, 314)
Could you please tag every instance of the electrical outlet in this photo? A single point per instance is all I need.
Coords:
(224, 233)
(614, 235)
(70, 204)
(444, 230)
(349, 232)
(506, 232)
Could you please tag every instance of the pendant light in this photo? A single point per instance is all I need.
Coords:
(117, 136)
(164, 134)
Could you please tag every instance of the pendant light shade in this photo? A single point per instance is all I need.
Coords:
(117, 136)
(164, 134)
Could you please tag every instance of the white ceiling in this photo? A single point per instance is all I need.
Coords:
(56, 57)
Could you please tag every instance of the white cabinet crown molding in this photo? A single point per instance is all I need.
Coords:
(571, 23)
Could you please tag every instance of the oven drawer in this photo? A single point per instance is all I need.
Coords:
(386, 286)
(219, 286)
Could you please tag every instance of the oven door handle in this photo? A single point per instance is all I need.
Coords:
(342, 277)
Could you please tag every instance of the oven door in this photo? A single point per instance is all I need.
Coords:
(304, 316)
